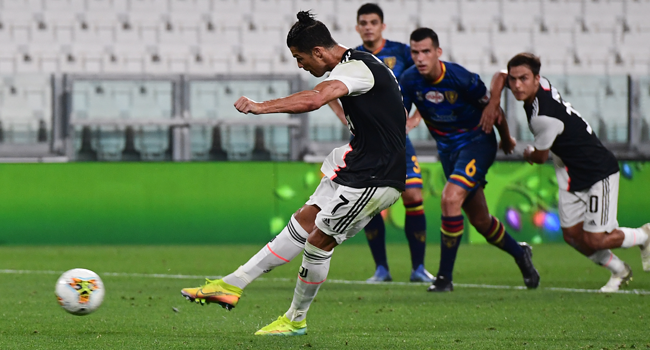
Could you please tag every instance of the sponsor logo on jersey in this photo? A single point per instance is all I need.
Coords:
(434, 96)
(390, 61)
(592, 223)
(451, 96)
(418, 95)
(326, 221)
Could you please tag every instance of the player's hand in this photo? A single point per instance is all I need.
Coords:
(508, 145)
(492, 114)
(527, 152)
(246, 105)
(413, 121)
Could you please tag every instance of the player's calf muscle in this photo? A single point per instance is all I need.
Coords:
(603, 240)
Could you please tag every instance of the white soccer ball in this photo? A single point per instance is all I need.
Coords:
(79, 291)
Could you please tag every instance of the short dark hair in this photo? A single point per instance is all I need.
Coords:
(308, 33)
(526, 59)
(370, 8)
(423, 33)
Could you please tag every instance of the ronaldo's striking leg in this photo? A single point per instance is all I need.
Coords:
(227, 291)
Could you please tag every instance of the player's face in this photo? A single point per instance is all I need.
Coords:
(370, 27)
(523, 83)
(425, 55)
(309, 62)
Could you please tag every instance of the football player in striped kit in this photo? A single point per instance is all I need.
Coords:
(587, 172)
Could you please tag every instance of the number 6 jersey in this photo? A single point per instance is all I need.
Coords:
(560, 128)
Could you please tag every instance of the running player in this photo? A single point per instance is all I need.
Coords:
(397, 56)
(451, 101)
(361, 178)
(587, 172)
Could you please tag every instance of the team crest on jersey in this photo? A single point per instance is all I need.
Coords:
(451, 96)
(434, 96)
(390, 61)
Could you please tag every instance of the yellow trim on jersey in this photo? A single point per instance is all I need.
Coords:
(442, 75)
(463, 180)
(383, 43)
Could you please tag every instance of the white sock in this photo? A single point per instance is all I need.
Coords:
(606, 258)
(633, 236)
(282, 249)
(313, 272)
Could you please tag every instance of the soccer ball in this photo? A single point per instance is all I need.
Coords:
(79, 291)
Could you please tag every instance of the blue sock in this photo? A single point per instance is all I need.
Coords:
(498, 236)
(376, 234)
(451, 232)
(415, 228)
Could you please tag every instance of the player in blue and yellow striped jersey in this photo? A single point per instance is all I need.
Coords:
(451, 100)
(397, 56)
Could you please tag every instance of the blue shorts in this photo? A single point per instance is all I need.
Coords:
(413, 173)
(468, 166)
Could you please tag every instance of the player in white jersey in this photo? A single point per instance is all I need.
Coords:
(587, 172)
(361, 178)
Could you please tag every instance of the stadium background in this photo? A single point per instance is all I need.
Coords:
(216, 203)
(132, 99)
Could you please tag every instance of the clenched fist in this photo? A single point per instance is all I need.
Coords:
(246, 105)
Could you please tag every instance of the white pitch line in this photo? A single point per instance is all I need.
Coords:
(335, 281)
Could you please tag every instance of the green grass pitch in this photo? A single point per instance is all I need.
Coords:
(146, 312)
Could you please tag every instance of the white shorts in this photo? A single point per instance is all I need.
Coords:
(345, 210)
(596, 207)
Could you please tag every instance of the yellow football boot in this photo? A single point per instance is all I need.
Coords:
(214, 291)
(283, 326)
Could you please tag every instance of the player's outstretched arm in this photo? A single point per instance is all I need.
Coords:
(492, 112)
(336, 107)
(507, 143)
(300, 102)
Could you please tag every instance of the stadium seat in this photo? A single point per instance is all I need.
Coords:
(507, 44)
(180, 29)
(189, 6)
(225, 7)
(594, 47)
(602, 16)
(636, 15)
(471, 49)
(635, 51)
(554, 48)
(520, 15)
(561, 15)
(440, 15)
(25, 109)
(478, 15)
(22, 6)
(65, 5)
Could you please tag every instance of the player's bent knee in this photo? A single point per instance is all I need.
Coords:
(321, 240)
(412, 195)
(306, 217)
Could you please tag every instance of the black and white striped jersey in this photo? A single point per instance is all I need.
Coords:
(560, 128)
(376, 117)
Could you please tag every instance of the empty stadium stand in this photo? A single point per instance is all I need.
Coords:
(588, 49)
